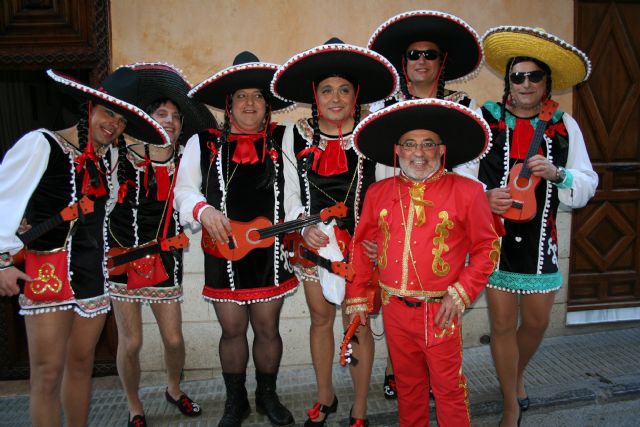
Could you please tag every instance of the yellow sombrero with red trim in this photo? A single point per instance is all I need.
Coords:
(569, 65)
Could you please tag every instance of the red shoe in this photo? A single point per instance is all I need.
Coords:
(187, 406)
(137, 421)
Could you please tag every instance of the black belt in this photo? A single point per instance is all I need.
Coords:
(416, 303)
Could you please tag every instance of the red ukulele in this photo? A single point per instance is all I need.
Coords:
(306, 257)
(260, 232)
(521, 182)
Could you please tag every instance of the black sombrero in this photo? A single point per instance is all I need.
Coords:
(119, 92)
(452, 34)
(246, 72)
(159, 81)
(375, 75)
(465, 133)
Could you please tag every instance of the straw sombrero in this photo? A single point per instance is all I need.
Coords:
(160, 80)
(246, 72)
(376, 77)
(464, 132)
(119, 92)
(450, 33)
(569, 65)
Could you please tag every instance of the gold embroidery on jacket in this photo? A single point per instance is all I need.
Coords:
(439, 266)
(408, 226)
(386, 235)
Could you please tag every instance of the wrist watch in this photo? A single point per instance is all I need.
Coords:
(561, 175)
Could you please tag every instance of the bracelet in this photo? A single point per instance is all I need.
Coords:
(6, 260)
(197, 208)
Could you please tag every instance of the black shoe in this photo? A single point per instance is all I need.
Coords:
(268, 403)
(524, 403)
(236, 407)
(184, 403)
(390, 390)
(357, 422)
(319, 408)
(137, 421)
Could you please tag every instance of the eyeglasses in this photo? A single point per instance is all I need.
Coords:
(413, 146)
(518, 77)
(429, 54)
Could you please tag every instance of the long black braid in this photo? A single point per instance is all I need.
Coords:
(441, 82)
(315, 125)
(83, 126)
(122, 160)
(270, 175)
(83, 139)
(507, 83)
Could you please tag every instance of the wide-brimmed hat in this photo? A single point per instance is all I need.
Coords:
(246, 72)
(453, 35)
(160, 81)
(569, 65)
(464, 132)
(119, 92)
(375, 76)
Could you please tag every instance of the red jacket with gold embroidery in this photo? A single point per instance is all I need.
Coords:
(448, 217)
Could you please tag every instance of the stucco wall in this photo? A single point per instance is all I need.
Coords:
(203, 36)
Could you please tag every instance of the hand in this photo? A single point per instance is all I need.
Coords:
(9, 281)
(363, 317)
(24, 226)
(449, 311)
(499, 200)
(370, 249)
(315, 238)
(542, 167)
(216, 224)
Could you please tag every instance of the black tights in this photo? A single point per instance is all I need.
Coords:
(267, 343)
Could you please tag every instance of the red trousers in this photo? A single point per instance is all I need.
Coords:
(424, 354)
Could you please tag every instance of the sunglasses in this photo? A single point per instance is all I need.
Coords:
(518, 77)
(429, 54)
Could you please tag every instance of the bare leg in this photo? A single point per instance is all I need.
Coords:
(361, 373)
(503, 312)
(47, 336)
(77, 382)
(535, 311)
(129, 321)
(169, 319)
(323, 315)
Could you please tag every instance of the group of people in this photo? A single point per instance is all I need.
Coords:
(432, 216)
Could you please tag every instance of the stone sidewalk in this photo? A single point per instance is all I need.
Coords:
(576, 369)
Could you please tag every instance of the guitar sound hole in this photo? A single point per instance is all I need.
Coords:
(522, 184)
(253, 236)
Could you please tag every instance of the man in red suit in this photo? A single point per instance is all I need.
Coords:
(426, 222)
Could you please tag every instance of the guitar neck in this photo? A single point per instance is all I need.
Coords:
(533, 148)
(39, 229)
(317, 259)
(288, 227)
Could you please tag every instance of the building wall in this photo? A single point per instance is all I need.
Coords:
(203, 36)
